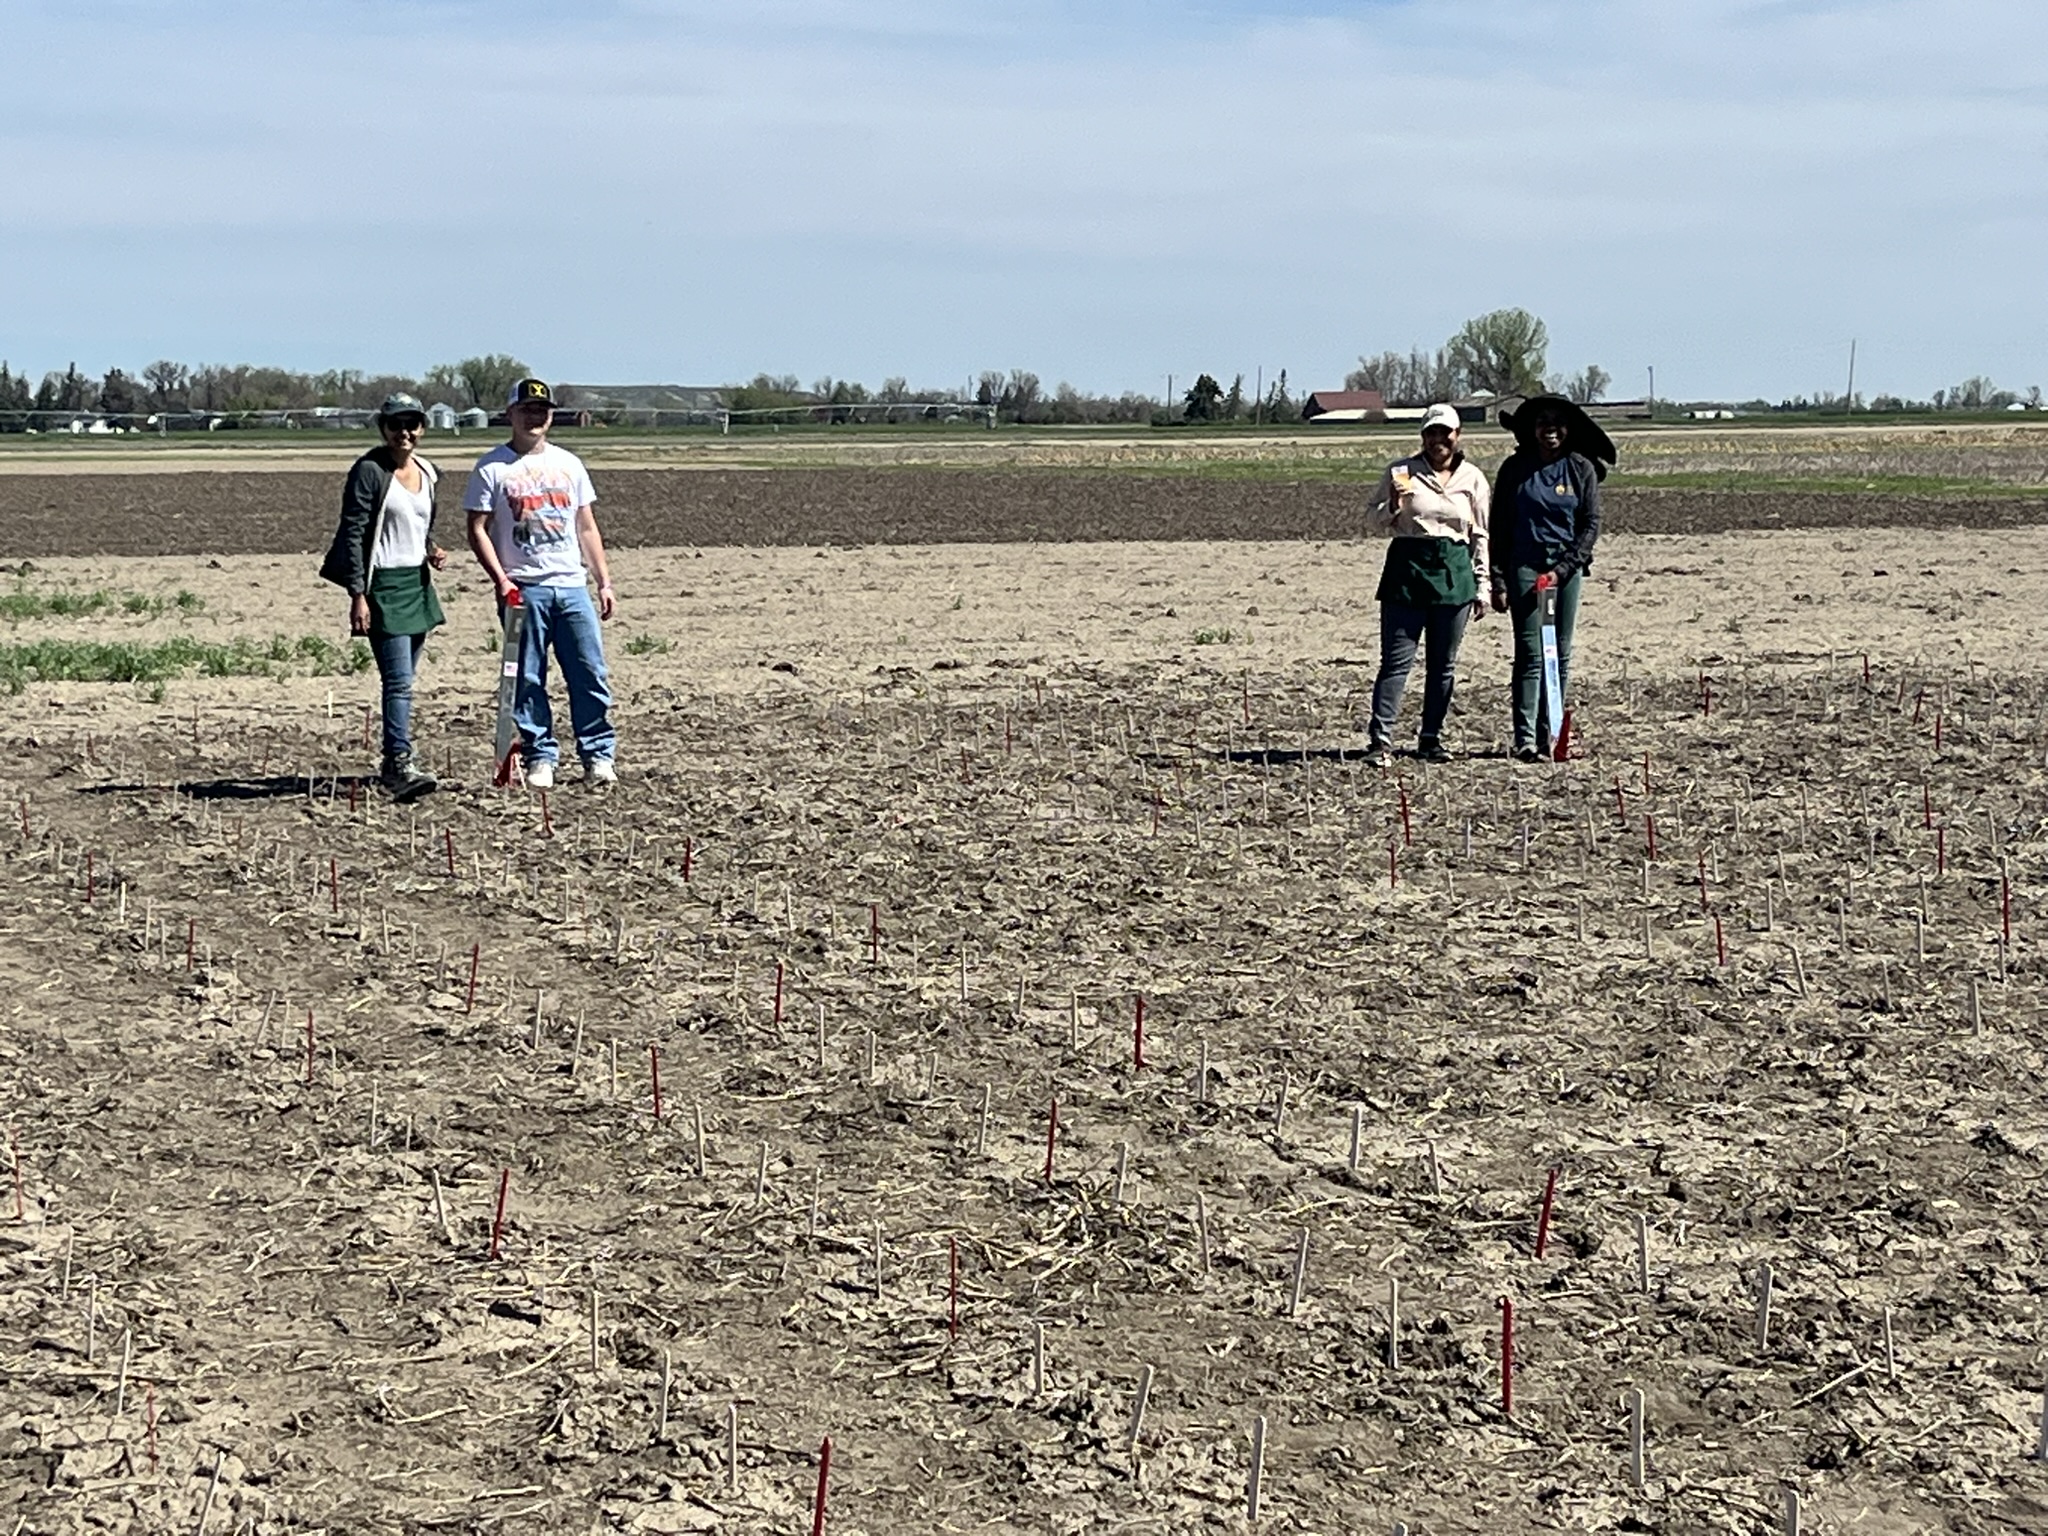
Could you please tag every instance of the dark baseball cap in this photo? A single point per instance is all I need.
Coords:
(531, 392)
(401, 404)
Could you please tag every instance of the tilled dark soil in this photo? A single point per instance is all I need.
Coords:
(201, 513)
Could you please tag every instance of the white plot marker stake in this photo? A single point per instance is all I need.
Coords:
(1635, 1439)
(1138, 1412)
(1300, 1275)
(1258, 1469)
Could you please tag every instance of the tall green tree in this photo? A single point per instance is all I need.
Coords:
(1501, 352)
(1201, 401)
(484, 381)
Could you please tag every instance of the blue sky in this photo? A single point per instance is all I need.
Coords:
(1102, 193)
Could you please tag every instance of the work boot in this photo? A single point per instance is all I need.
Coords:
(405, 779)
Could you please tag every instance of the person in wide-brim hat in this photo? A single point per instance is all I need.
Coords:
(1583, 435)
(1545, 520)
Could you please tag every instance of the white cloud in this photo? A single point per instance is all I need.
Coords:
(688, 190)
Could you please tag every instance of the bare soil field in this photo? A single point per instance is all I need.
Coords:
(79, 513)
(316, 1224)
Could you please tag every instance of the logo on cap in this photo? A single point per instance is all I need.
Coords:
(533, 391)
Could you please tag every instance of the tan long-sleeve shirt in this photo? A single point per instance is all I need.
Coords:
(1414, 501)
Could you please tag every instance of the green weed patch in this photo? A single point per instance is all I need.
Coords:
(118, 661)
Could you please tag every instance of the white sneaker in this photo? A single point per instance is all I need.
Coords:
(599, 773)
(540, 774)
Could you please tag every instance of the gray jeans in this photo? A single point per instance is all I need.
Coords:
(1403, 627)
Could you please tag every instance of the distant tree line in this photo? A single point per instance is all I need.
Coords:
(167, 387)
(1503, 352)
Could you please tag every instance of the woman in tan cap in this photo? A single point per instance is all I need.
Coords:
(1435, 506)
(384, 554)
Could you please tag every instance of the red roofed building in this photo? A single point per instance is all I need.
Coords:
(1345, 405)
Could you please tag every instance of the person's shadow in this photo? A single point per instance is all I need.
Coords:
(273, 787)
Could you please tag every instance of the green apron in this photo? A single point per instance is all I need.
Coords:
(1428, 572)
(402, 601)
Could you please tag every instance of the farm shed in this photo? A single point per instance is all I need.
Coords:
(1334, 405)
(441, 416)
(475, 417)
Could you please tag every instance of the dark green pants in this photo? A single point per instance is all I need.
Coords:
(1526, 679)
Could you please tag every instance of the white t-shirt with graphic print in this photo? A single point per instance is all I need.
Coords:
(532, 500)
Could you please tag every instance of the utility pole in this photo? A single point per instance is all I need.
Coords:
(1259, 395)
(1849, 400)
(1653, 390)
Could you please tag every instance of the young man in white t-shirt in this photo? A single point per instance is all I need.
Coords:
(533, 528)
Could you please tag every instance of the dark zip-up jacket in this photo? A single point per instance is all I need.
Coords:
(1585, 479)
(362, 498)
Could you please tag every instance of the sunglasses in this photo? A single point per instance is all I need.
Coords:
(405, 423)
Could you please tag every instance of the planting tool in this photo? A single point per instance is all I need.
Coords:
(1553, 694)
(508, 687)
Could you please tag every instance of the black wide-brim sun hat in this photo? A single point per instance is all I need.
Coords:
(1582, 434)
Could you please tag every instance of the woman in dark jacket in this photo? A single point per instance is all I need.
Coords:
(384, 555)
(1546, 519)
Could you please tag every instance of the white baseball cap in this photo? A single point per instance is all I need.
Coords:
(1442, 416)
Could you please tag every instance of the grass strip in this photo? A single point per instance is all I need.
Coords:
(23, 604)
(118, 661)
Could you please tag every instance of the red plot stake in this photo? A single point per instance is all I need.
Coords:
(88, 877)
(1543, 1214)
(1007, 736)
(448, 843)
(1393, 865)
(1720, 942)
(1156, 803)
(953, 1288)
(689, 852)
(874, 933)
(366, 731)
(191, 943)
(1866, 669)
(1507, 1357)
(20, 1197)
(498, 1220)
(334, 882)
(654, 1073)
(1138, 1037)
(1407, 827)
(778, 994)
(1052, 1131)
(1937, 728)
(309, 1047)
(149, 1421)
(352, 787)
(824, 1473)
(1650, 836)
(1646, 773)
(24, 816)
(1926, 808)
(1919, 700)
(1941, 850)
(1703, 879)
(1620, 803)
(476, 952)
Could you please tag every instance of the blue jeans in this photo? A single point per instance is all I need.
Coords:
(1403, 627)
(398, 658)
(565, 618)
